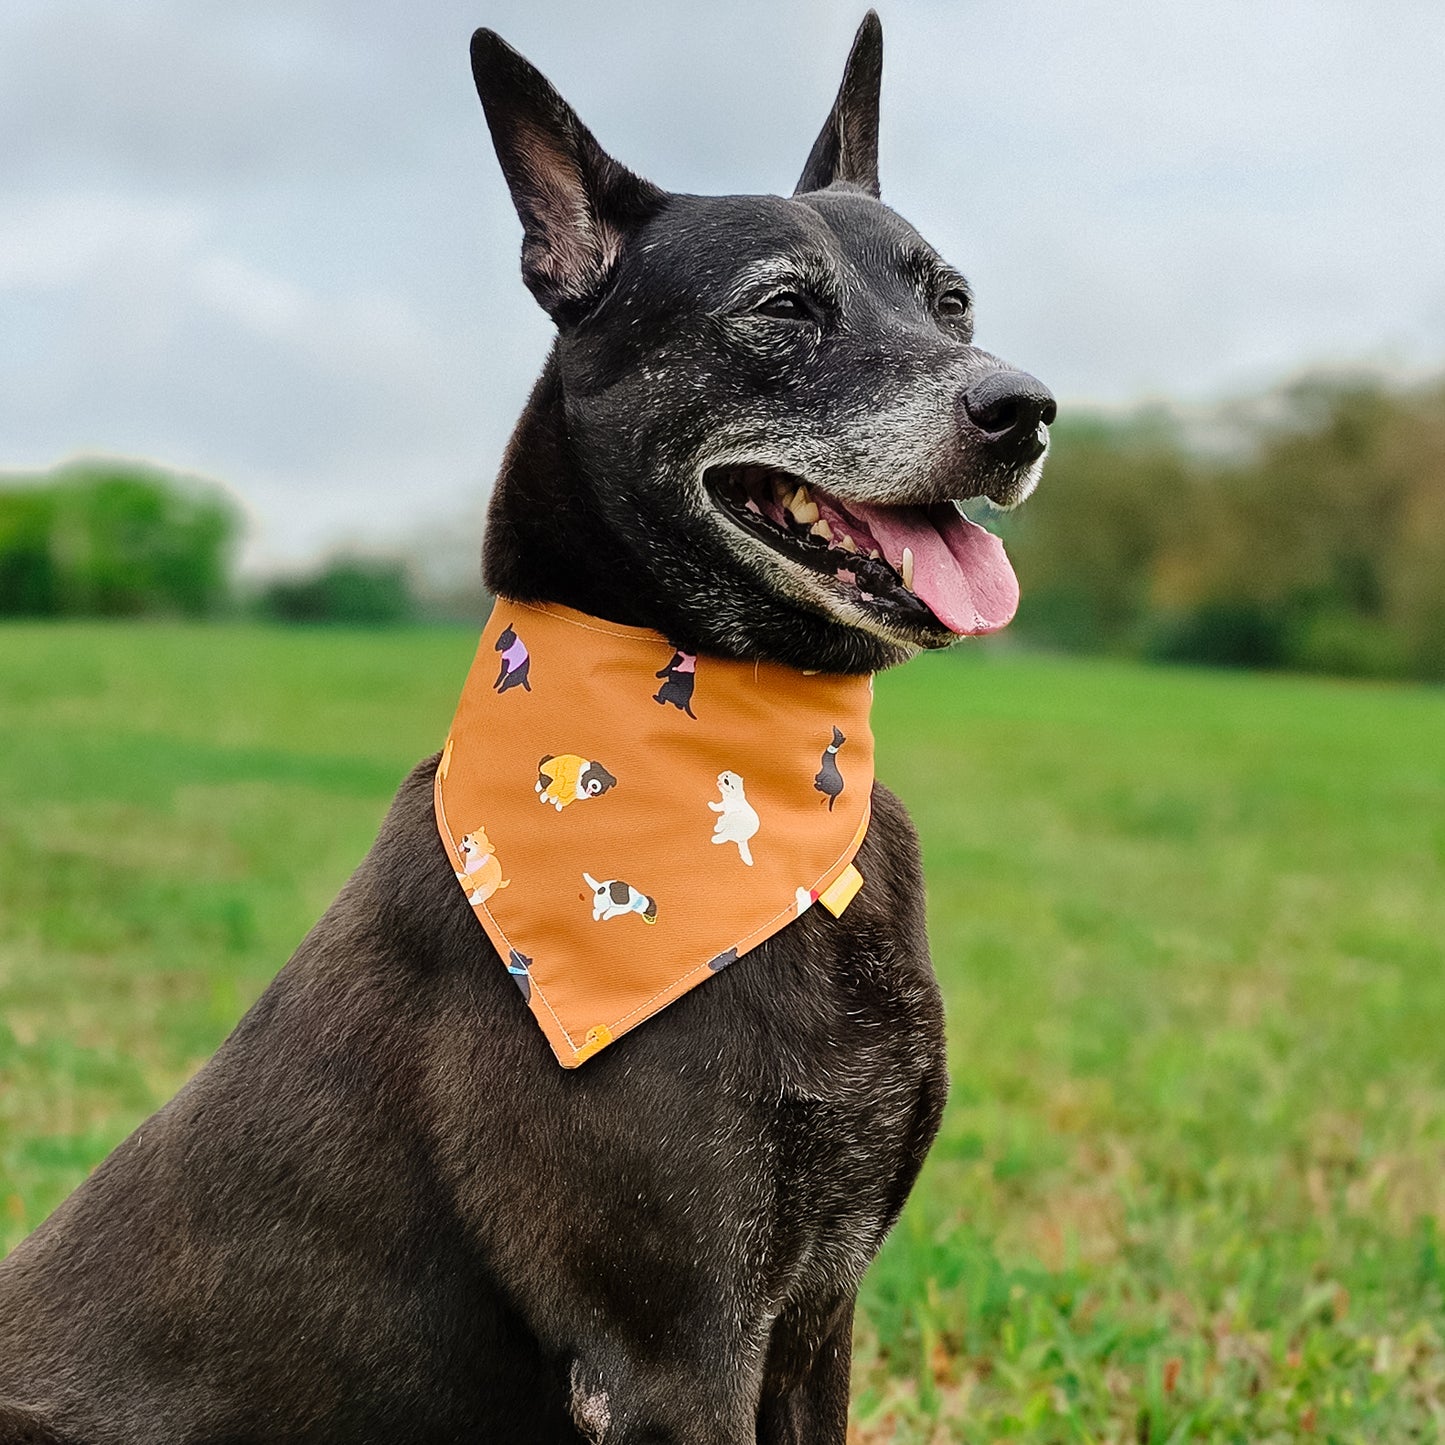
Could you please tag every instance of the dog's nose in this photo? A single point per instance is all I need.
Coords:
(1007, 409)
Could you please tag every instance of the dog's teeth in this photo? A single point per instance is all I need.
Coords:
(801, 507)
(906, 571)
(874, 553)
(848, 544)
(820, 528)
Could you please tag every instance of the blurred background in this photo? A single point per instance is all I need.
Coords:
(262, 339)
(268, 246)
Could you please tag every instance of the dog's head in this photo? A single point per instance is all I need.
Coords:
(760, 412)
(729, 784)
(594, 780)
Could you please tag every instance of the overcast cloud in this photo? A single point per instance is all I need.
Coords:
(268, 242)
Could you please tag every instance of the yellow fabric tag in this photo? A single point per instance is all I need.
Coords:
(841, 891)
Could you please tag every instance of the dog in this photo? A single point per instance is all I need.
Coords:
(516, 663)
(613, 898)
(480, 872)
(679, 679)
(829, 779)
(567, 779)
(739, 821)
(382, 1212)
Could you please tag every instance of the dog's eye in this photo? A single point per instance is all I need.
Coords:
(785, 306)
(952, 304)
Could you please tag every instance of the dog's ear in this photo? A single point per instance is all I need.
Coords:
(847, 146)
(577, 204)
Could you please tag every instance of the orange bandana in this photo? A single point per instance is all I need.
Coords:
(627, 819)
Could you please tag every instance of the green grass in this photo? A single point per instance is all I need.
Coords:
(1191, 928)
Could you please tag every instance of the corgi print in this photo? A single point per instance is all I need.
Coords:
(678, 676)
(516, 663)
(739, 821)
(566, 778)
(614, 898)
(481, 873)
(829, 781)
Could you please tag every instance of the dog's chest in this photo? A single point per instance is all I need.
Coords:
(859, 1085)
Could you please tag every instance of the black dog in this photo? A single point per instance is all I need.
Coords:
(516, 664)
(382, 1212)
(679, 678)
(829, 780)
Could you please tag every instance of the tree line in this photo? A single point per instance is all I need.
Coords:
(1303, 529)
(118, 539)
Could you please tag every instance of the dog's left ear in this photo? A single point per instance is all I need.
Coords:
(576, 203)
(847, 147)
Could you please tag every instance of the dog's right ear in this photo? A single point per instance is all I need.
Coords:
(576, 203)
(847, 146)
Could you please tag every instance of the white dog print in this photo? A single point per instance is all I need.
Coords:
(739, 820)
(612, 898)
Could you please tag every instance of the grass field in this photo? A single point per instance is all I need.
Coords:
(1191, 928)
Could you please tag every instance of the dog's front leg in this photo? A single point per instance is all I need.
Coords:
(805, 1398)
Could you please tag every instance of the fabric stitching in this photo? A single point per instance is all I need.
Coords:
(642, 635)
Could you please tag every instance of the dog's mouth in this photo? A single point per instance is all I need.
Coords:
(923, 566)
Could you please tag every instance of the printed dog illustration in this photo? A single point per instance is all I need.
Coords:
(480, 873)
(516, 664)
(829, 781)
(381, 1212)
(680, 676)
(616, 899)
(739, 821)
(519, 967)
(569, 779)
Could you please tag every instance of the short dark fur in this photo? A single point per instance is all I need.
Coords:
(382, 1212)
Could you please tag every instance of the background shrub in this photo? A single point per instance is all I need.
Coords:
(361, 591)
(114, 540)
(1305, 528)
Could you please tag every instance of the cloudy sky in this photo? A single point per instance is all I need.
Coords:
(266, 240)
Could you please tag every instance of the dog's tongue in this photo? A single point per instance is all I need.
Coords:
(960, 570)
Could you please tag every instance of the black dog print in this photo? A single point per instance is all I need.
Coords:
(829, 781)
(679, 676)
(519, 966)
(516, 663)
